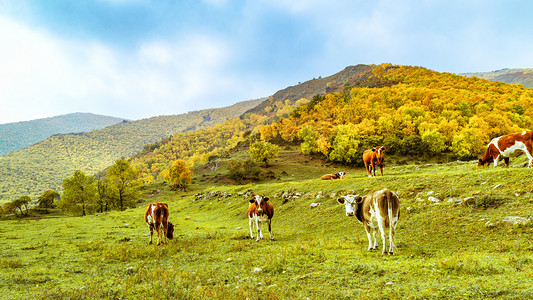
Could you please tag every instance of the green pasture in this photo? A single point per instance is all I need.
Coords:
(444, 250)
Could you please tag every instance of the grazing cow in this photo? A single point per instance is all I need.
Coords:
(156, 216)
(508, 146)
(372, 158)
(260, 211)
(376, 211)
(338, 175)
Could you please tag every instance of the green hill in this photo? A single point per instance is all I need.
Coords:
(14, 136)
(512, 76)
(44, 165)
(445, 250)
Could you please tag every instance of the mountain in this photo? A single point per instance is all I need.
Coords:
(14, 136)
(512, 76)
(43, 166)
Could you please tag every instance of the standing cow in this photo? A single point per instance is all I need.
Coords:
(372, 158)
(260, 211)
(156, 216)
(508, 146)
(379, 210)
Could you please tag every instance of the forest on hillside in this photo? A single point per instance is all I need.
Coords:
(14, 136)
(45, 165)
(410, 110)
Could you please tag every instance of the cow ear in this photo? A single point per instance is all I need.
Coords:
(383, 148)
(358, 199)
(265, 198)
(252, 200)
(374, 149)
(340, 200)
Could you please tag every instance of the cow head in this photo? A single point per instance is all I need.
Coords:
(341, 175)
(170, 230)
(260, 202)
(351, 203)
(379, 152)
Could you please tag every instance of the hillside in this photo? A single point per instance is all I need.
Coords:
(43, 166)
(410, 110)
(14, 136)
(512, 76)
(448, 247)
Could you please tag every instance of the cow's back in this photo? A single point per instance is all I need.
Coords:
(385, 200)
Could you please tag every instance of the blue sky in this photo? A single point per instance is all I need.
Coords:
(138, 58)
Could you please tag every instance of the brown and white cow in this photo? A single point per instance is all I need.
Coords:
(156, 216)
(372, 158)
(506, 146)
(338, 175)
(379, 210)
(260, 211)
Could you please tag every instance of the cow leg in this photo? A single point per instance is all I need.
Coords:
(270, 229)
(157, 228)
(375, 239)
(381, 224)
(367, 167)
(259, 233)
(381, 169)
(164, 232)
(506, 160)
(373, 170)
(496, 160)
(369, 236)
(391, 239)
(251, 228)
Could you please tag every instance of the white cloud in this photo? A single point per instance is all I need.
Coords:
(43, 76)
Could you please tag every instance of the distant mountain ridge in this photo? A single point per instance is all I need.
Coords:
(512, 76)
(15, 136)
(44, 165)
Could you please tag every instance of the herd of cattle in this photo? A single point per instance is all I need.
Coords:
(377, 211)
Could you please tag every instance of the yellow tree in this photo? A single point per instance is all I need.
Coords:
(179, 174)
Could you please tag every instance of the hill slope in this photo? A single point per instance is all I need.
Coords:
(14, 136)
(512, 76)
(43, 166)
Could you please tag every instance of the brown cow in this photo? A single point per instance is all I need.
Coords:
(372, 158)
(376, 211)
(156, 216)
(508, 146)
(338, 175)
(260, 211)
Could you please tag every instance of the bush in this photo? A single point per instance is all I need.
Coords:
(486, 201)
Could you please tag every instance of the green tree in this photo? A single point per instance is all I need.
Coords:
(103, 190)
(263, 151)
(179, 173)
(79, 193)
(309, 139)
(46, 200)
(123, 178)
(8, 208)
(434, 141)
(22, 201)
(345, 145)
(468, 143)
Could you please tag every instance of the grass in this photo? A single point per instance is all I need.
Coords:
(444, 250)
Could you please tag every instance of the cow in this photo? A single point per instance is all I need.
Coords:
(379, 210)
(338, 175)
(508, 146)
(156, 216)
(260, 211)
(372, 158)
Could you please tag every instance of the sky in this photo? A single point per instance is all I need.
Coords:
(136, 59)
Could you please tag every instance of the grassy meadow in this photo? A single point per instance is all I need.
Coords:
(444, 250)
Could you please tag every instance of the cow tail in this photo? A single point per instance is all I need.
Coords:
(391, 225)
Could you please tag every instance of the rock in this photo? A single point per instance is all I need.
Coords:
(313, 205)
(433, 199)
(497, 186)
(238, 228)
(513, 220)
(455, 200)
(258, 270)
(229, 259)
(409, 209)
(489, 224)
(469, 201)
(187, 218)
(430, 193)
